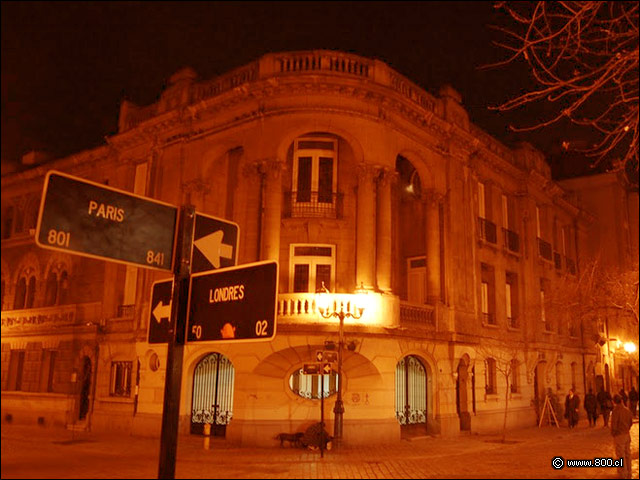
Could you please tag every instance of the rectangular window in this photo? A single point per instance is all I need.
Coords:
(325, 180)
(47, 370)
(490, 385)
(487, 294)
(482, 212)
(311, 266)
(515, 386)
(505, 212)
(120, 379)
(416, 279)
(16, 369)
(511, 299)
(303, 191)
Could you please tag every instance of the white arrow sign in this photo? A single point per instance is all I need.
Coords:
(162, 311)
(213, 249)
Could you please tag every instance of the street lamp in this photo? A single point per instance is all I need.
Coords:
(333, 307)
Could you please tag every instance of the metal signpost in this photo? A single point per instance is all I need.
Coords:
(234, 304)
(94, 220)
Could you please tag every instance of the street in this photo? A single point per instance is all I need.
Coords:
(38, 452)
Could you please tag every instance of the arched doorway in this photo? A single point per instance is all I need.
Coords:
(212, 399)
(539, 387)
(411, 396)
(85, 388)
(462, 395)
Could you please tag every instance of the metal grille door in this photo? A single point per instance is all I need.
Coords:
(212, 400)
(411, 391)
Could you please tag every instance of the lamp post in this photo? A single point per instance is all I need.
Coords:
(329, 307)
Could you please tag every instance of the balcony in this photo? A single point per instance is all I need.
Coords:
(49, 318)
(488, 231)
(544, 250)
(301, 308)
(511, 240)
(312, 205)
(571, 265)
(557, 260)
(414, 315)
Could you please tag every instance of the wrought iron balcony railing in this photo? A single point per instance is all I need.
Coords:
(302, 204)
(544, 250)
(488, 231)
(557, 260)
(511, 240)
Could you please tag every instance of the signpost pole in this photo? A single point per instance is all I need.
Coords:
(322, 415)
(173, 378)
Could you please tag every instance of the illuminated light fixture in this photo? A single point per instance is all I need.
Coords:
(630, 347)
(332, 307)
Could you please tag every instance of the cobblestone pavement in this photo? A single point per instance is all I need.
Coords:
(36, 452)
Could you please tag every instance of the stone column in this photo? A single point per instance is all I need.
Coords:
(384, 234)
(432, 211)
(272, 209)
(366, 226)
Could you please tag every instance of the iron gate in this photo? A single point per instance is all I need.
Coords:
(411, 391)
(212, 399)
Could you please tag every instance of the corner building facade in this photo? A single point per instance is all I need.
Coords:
(352, 178)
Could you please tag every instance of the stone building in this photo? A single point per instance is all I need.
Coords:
(351, 177)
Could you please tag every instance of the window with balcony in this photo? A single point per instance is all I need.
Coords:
(486, 227)
(315, 177)
(544, 248)
(511, 238)
(311, 267)
(487, 294)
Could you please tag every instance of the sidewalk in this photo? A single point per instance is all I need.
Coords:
(37, 452)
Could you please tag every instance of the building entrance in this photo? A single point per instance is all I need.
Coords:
(411, 396)
(212, 399)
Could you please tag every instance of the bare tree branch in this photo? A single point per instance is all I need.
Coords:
(584, 57)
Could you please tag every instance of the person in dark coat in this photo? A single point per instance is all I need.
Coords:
(572, 408)
(623, 396)
(633, 401)
(621, 421)
(606, 405)
(591, 406)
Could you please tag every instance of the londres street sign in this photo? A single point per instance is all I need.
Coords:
(234, 304)
(98, 221)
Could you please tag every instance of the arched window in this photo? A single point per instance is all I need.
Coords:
(51, 289)
(559, 379)
(31, 292)
(21, 294)
(63, 288)
(7, 225)
(315, 176)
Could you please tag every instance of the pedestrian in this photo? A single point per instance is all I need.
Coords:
(572, 408)
(591, 406)
(621, 421)
(606, 405)
(623, 396)
(633, 401)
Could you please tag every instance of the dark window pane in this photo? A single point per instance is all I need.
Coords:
(323, 274)
(325, 180)
(21, 294)
(301, 278)
(313, 251)
(304, 180)
(315, 145)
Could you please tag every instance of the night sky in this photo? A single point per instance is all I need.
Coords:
(66, 67)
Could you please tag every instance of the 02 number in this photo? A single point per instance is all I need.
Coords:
(261, 328)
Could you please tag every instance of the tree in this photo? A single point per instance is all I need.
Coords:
(584, 58)
(504, 358)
